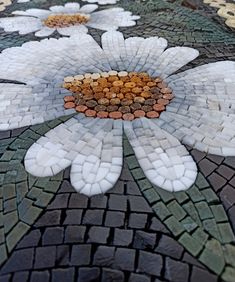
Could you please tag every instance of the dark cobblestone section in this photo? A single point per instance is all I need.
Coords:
(22, 196)
(115, 237)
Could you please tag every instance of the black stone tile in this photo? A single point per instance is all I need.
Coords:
(109, 275)
(73, 216)
(191, 260)
(232, 181)
(30, 240)
(50, 218)
(53, 236)
(88, 274)
(139, 204)
(45, 257)
(206, 167)
(176, 271)
(66, 186)
(138, 220)
(126, 174)
(19, 260)
(227, 196)
(199, 274)
(81, 255)
(225, 171)
(98, 234)
(144, 240)
(78, 201)
(124, 259)
(217, 181)
(122, 237)
(169, 247)
(117, 189)
(132, 188)
(5, 134)
(60, 201)
(230, 161)
(40, 276)
(65, 275)
(156, 225)
(62, 255)
(21, 276)
(74, 234)
(104, 256)
(93, 217)
(117, 202)
(149, 263)
(114, 219)
(5, 278)
(197, 155)
(216, 159)
(98, 201)
(138, 278)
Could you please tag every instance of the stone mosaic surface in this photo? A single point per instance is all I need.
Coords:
(136, 231)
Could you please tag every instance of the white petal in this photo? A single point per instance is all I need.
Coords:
(172, 60)
(57, 9)
(72, 7)
(68, 8)
(57, 149)
(44, 32)
(202, 114)
(21, 106)
(111, 19)
(134, 53)
(95, 169)
(163, 159)
(87, 9)
(73, 30)
(88, 144)
(23, 25)
(38, 13)
(56, 61)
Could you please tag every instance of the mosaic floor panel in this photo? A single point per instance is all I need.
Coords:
(117, 140)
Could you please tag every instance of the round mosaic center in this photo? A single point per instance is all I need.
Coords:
(63, 20)
(117, 95)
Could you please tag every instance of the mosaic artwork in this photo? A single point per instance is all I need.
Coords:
(117, 140)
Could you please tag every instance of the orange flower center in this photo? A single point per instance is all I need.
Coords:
(63, 20)
(118, 95)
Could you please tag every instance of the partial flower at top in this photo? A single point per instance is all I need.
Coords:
(68, 20)
(106, 78)
(102, 2)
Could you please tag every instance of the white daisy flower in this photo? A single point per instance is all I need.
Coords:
(68, 20)
(201, 114)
